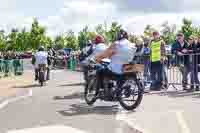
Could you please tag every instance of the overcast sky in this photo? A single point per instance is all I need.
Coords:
(61, 15)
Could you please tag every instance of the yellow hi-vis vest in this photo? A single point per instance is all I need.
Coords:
(156, 51)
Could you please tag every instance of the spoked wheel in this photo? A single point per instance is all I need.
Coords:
(91, 92)
(131, 95)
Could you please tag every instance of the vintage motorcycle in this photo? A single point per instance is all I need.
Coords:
(127, 90)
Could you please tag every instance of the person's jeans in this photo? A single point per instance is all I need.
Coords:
(156, 75)
(184, 69)
(194, 74)
(147, 70)
(164, 72)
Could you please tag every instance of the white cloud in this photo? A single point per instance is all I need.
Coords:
(75, 14)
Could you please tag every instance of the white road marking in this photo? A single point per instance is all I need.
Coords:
(182, 122)
(3, 104)
(49, 129)
(122, 116)
(6, 102)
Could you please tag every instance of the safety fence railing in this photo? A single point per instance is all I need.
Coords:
(11, 67)
(177, 70)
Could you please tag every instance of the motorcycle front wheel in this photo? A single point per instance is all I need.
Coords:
(131, 94)
(91, 92)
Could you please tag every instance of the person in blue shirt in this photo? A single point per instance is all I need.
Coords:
(146, 55)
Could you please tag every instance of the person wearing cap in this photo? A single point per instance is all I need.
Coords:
(180, 49)
(98, 47)
(157, 47)
(192, 50)
(40, 57)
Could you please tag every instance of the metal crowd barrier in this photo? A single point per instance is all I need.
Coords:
(11, 67)
(178, 70)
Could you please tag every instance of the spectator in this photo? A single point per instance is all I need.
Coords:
(198, 54)
(139, 51)
(157, 52)
(146, 54)
(193, 63)
(179, 48)
(86, 51)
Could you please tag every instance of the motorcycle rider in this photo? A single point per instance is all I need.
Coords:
(99, 46)
(96, 49)
(120, 52)
(86, 51)
(41, 57)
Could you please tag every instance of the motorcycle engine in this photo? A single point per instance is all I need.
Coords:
(109, 87)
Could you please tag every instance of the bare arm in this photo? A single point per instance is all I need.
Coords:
(106, 54)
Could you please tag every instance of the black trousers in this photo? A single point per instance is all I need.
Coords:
(156, 75)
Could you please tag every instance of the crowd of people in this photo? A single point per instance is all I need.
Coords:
(184, 54)
(187, 57)
(10, 62)
(9, 55)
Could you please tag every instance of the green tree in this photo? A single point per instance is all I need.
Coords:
(12, 43)
(168, 33)
(71, 40)
(91, 35)
(83, 37)
(112, 33)
(196, 31)
(187, 28)
(148, 30)
(2, 40)
(100, 30)
(59, 42)
(37, 35)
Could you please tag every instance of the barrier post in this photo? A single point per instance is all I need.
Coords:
(70, 63)
(18, 67)
(73, 63)
(8, 67)
(1, 68)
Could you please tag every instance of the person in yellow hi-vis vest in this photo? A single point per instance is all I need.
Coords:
(157, 47)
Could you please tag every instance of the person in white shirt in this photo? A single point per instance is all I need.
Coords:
(41, 57)
(98, 48)
(122, 52)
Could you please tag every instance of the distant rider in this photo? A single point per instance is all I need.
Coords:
(41, 57)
